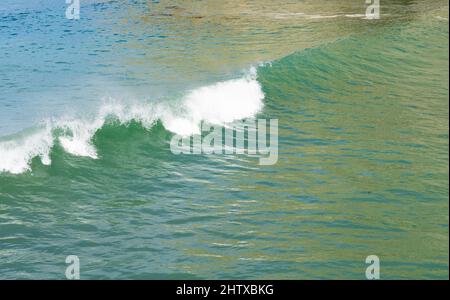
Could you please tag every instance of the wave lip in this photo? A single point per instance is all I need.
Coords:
(16, 155)
(219, 103)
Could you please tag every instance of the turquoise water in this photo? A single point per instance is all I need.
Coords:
(88, 108)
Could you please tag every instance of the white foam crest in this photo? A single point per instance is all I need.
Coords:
(16, 155)
(146, 114)
(221, 103)
(77, 137)
(322, 17)
(78, 134)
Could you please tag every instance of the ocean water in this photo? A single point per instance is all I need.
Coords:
(88, 108)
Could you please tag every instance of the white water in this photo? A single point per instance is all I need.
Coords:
(15, 155)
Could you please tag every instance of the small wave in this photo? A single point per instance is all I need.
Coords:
(441, 18)
(219, 103)
(323, 17)
(299, 15)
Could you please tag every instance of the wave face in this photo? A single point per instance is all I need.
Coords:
(363, 148)
(220, 103)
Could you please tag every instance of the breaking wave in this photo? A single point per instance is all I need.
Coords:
(220, 103)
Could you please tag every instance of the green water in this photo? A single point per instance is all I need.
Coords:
(362, 169)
